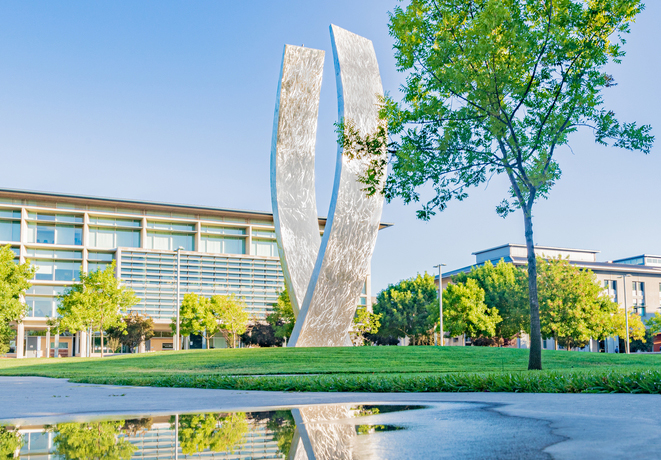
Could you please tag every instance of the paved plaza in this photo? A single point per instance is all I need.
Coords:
(564, 426)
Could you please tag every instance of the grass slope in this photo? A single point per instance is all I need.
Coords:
(359, 369)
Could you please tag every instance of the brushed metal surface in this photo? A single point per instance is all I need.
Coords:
(324, 276)
(292, 167)
(353, 219)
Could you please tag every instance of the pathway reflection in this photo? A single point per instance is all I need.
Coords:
(306, 433)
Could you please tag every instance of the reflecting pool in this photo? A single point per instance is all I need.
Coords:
(339, 431)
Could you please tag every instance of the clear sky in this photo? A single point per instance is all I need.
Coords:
(173, 101)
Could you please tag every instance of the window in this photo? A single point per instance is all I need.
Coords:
(263, 233)
(50, 270)
(10, 231)
(94, 266)
(169, 241)
(39, 307)
(224, 230)
(222, 245)
(55, 217)
(106, 238)
(265, 248)
(110, 222)
(171, 226)
(55, 234)
(51, 254)
(105, 256)
(10, 213)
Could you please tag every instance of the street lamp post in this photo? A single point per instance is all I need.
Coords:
(626, 311)
(176, 343)
(440, 302)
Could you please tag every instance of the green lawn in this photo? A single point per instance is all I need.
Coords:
(372, 369)
(346, 360)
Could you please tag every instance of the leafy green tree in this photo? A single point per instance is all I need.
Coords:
(405, 308)
(654, 323)
(97, 303)
(260, 334)
(94, 440)
(497, 87)
(196, 317)
(230, 315)
(282, 318)
(364, 322)
(137, 329)
(504, 287)
(573, 308)
(283, 427)
(465, 312)
(636, 326)
(14, 281)
(10, 442)
(217, 432)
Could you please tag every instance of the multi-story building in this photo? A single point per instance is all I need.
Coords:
(221, 251)
(634, 280)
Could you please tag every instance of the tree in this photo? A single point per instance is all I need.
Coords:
(196, 317)
(136, 330)
(260, 334)
(496, 87)
(364, 322)
(97, 303)
(94, 440)
(573, 308)
(10, 442)
(230, 315)
(282, 318)
(636, 326)
(504, 287)
(14, 281)
(217, 432)
(465, 312)
(405, 308)
(654, 323)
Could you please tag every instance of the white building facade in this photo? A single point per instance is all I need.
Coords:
(224, 251)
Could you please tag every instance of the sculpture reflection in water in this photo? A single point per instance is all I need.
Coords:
(312, 432)
(324, 275)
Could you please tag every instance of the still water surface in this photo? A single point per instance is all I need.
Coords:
(341, 431)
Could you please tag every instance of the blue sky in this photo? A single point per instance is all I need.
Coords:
(173, 101)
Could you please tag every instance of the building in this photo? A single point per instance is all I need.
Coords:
(223, 251)
(634, 280)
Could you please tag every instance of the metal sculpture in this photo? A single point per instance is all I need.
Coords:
(324, 276)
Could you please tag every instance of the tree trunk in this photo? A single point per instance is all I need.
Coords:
(535, 357)
(555, 342)
(102, 343)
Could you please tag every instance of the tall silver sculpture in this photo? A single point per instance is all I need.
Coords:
(324, 276)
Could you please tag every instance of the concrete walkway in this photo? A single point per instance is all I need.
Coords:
(593, 425)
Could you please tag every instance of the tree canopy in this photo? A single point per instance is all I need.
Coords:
(497, 87)
(405, 308)
(97, 303)
(94, 440)
(573, 307)
(216, 432)
(14, 281)
(282, 317)
(137, 329)
(465, 312)
(504, 287)
(231, 315)
(364, 322)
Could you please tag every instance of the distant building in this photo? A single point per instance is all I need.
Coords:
(641, 287)
(223, 251)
